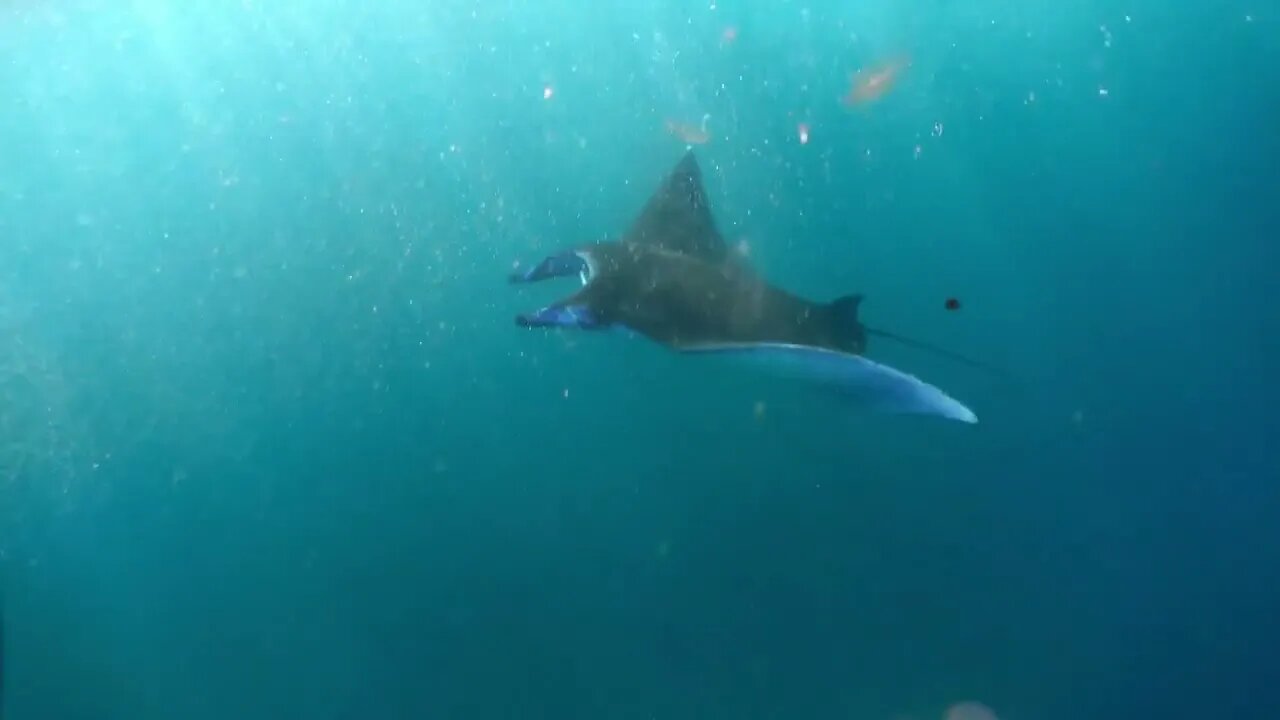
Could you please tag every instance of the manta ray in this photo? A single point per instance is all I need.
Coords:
(673, 279)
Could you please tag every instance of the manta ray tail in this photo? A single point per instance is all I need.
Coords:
(846, 308)
(927, 347)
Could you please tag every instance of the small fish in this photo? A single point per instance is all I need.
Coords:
(952, 304)
(688, 133)
(871, 85)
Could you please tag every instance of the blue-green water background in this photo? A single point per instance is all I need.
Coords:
(273, 448)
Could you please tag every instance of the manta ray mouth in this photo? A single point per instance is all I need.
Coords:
(565, 313)
(587, 271)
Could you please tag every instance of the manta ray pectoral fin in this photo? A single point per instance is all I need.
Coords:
(677, 216)
(563, 264)
(574, 316)
(866, 383)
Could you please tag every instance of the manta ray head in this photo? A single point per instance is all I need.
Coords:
(574, 311)
(675, 221)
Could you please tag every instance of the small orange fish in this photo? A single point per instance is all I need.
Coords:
(691, 134)
(871, 85)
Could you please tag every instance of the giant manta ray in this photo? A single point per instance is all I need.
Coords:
(672, 278)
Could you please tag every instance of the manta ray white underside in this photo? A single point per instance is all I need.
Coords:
(864, 382)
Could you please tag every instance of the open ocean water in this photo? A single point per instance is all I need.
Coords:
(272, 447)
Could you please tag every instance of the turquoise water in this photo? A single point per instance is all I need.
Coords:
(272, 447)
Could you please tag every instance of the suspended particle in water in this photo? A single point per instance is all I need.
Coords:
(547, 92)
(952, 304)
(969, 710)
(802, 131)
